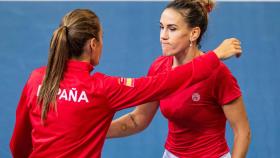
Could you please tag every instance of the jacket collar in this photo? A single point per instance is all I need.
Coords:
(79, 65)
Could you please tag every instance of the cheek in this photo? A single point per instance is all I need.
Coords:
(181, 45)
(178, 37)
(99, 49)
(178, 42)
(178, 45)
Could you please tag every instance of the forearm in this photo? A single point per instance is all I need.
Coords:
(241, 143)
(134, 122)
(237, 117)
(125, 126)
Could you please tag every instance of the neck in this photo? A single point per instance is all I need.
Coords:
(186, 56)
(84, 58)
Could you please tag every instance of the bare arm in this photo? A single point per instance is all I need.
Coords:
(133, 122)
(236, 115)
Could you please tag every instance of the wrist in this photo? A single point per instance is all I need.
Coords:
(215, 51)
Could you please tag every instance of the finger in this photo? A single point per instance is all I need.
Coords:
(237, 47)
(236, 51)
(234, 39)
(236, 42)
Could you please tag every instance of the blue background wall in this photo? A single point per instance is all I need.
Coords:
(131, 43)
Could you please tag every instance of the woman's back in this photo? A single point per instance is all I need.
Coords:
(77, 126)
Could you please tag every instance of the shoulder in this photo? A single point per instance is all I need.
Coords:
(223, 70)
(102, 83)
(39, 71)
(221, 76)
(160, 64)
(226, 87)
(100, 79)
(34, 80)
(104, 80)
(37, 75)
(224, 77)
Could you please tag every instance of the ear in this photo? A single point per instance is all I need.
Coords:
(195, 33)
(93, 44)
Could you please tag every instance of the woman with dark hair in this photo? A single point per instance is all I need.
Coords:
(196, 115)
(66, 112)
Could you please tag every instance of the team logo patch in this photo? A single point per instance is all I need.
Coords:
(129, 82)
(195, 97)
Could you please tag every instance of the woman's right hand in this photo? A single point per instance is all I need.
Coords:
(228, 48)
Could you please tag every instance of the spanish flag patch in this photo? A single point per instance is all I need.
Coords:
(129, 82)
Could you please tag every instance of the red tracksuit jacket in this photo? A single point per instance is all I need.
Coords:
(86, 105)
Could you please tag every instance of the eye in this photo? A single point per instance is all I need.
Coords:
(161, 27)
(172, 29)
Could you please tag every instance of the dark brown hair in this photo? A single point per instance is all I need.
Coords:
(195, 12)
(68, 41)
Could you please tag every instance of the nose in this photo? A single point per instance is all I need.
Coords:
(163, 34)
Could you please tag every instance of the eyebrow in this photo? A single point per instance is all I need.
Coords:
(170, 25)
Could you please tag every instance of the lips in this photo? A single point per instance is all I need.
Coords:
(165, 44)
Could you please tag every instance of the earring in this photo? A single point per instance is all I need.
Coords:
(190, 43)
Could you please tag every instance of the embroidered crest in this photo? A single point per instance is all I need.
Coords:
(195, 97)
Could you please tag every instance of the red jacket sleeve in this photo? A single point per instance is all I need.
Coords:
(21, 142)
(126, 92)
